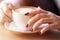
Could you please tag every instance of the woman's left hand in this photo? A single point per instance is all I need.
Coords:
(40, 17)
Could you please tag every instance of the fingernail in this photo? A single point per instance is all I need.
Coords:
(26, 13)
(32, 30)
(27, 25)
(39, 33)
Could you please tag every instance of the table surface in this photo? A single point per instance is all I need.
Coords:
(9, 35)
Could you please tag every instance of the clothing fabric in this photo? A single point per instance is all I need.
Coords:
(49, 5)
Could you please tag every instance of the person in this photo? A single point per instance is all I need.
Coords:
(48, 13)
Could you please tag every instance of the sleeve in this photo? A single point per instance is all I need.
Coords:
(48, 5)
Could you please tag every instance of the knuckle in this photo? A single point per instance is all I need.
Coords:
(38, 15)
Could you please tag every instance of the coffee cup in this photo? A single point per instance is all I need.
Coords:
(19, 17)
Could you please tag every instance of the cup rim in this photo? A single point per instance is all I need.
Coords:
(28, 7)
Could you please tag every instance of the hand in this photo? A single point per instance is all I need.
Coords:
(6, 12)
(40, 17)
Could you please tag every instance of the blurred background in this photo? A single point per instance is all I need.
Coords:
(0, 0)
(48, 5)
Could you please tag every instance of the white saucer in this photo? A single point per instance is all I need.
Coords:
(14, 28)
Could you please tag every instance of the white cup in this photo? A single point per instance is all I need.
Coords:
(20, 19)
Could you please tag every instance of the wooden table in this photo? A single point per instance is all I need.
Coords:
(9, 35)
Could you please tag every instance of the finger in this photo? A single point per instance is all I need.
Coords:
(36, 11)
(43, 30)
(40, 22)
(4, 18)
(5, 11)
(7, 8)
(8, 14)
(7, 19)
(49, 27)
(35, 18)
